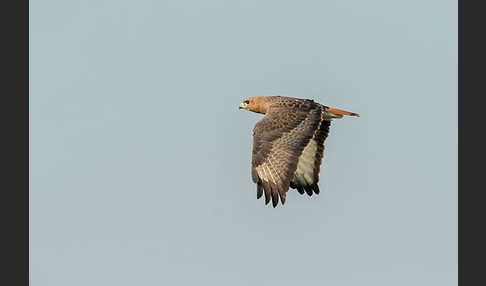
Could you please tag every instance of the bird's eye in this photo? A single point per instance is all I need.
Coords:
(246, 102)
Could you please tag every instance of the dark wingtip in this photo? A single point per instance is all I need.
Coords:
(259, 190)
(268, 192)
(300, 190)
(316, 189)
(308, 190)
(274, 199)
(267, 199)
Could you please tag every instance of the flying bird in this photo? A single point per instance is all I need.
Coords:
(288, 144)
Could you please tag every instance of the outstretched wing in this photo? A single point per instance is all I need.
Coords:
(306, 176)
(278, 141)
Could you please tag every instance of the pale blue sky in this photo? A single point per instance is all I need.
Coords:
(140, 158)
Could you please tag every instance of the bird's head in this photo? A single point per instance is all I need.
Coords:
(258, 104)
(245, 104)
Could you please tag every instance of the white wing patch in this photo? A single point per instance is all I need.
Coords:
(305, 166)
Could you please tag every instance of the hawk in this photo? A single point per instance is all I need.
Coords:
(288, 144)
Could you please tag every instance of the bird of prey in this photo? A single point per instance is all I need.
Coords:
(288, 144)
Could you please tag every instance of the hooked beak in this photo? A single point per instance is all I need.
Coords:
(242, 106)
(340, 112)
